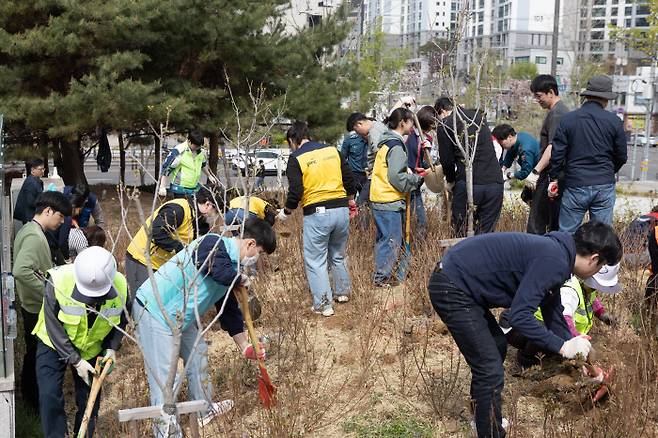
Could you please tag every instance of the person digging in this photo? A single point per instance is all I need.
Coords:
(80, 322)
(521, 272)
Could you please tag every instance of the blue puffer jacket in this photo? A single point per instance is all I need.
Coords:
(181, 285)
(355, 150)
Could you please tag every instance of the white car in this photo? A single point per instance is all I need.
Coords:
(271, 160)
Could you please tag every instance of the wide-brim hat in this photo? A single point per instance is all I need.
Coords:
(606, 280)
(599, 86)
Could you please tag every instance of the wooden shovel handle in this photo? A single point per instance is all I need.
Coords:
(422, 140)
(95, 389)
(244, 302)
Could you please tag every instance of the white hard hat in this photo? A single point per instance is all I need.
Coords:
(94, 270)
(606, 280)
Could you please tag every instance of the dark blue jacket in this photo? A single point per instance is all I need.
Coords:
(87, 208)
(517, 271)
(589, 146)
(355, 151)
(26, 199)
(525, 151)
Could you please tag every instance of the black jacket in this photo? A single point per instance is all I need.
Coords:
(486, 169)
(589, 146)
(27, 197)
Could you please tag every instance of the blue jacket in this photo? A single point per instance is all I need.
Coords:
(589, 147)
(525, 151)
(355, 151)
(206, 267)
(517, 271)
(87, 209)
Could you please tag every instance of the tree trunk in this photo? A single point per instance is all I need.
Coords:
(71, 169)
(156, 159)
(470, 207)
(227, 173)
(43, 145)
(122, 159)
(213, 159)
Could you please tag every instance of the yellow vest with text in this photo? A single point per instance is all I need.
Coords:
(185, 234)
(256, 205)
(381, 190)
(188, 171)
(322, 177)
(73, 314)
(584, 316)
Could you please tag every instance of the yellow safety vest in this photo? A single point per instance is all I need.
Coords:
(256, 205)
(322, 177)
(185, 234)
(584, 316)
(189, 169)
(381, 191)
(73, 314)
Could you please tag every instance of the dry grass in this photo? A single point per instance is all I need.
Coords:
(385, 365)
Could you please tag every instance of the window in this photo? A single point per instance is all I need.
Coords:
(598, 24)
(560, 61)
(598, 35)
(641, 22)
(480, 29)
(628, 22)
(520, 59)
(540, 60)
(614, 12)
(598, 12)
(628, 10)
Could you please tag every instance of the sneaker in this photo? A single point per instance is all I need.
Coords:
(325, 310)
(342, 298)
(219, 408)
(504, 423)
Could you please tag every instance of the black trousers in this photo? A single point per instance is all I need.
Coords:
(483, 345)
(544, 212)
(29, 388)
(136, 274)
(488, 200)
(50, 374)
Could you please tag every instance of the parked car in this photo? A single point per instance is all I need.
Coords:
(271, 159)
(641, 140)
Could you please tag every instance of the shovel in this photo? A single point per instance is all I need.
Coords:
(266, 390)
(95, 389)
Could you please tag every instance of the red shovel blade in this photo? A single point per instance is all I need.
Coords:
(266, 390)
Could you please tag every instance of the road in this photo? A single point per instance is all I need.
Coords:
(652, 175)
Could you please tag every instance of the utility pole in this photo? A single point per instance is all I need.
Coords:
(556, 34)
(647, 123)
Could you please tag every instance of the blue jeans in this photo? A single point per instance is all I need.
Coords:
(599, 200)
(325, 240)
(156, 342)
(418, 209)
(389, 241)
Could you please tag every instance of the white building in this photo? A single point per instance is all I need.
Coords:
(408, 24)
(308, 13)
(520, 31)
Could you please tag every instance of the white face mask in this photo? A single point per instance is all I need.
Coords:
(250, 261)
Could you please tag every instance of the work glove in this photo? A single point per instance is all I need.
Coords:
(162, 191)
(574, 346)
(250, 354)
(450, 186)
(282, 216)
(84, 369)
(608, 319)
(421, 172)
(109, 354)
(354, 211)
(531, 180)
(427, 145)
(552, 189)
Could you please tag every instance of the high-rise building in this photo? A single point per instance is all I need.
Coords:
(408, 24)
(518, 31)
(596, 22)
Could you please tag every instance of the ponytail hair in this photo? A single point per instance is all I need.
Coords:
(398, 115)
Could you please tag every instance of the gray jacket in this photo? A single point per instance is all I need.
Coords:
(398, 175)
(374, 139)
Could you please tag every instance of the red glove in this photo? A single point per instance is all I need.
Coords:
(354, 211)
(552, 189)
(249, 353)
(422, 172)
